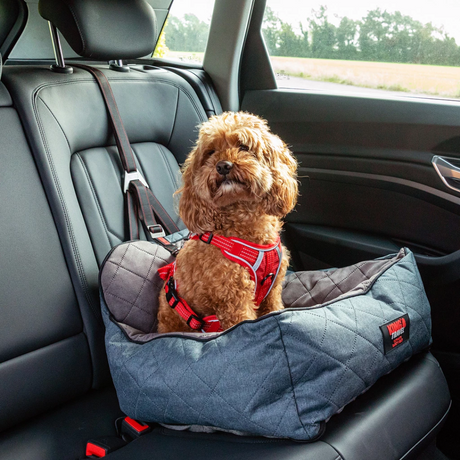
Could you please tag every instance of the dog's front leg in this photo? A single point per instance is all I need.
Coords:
(242, 309)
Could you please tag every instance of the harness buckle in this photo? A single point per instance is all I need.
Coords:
(131, 176)
(208, 241)
(199, 320)
(157, 231)
(172, 293)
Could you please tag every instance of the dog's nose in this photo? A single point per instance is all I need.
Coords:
(224, 167)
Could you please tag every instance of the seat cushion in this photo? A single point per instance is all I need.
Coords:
(61, 434)
(398, 417)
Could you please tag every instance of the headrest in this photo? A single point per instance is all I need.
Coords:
(0, 66)
(104, 29)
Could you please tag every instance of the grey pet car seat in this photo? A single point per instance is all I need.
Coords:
(283, 375)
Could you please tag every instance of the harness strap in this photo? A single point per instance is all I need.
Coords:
(262, 261)
(207, 324)
(140, 202)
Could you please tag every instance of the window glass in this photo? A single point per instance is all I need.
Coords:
(185, 33)
(397, 46)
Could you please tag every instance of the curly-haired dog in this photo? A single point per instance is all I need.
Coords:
(239, 181)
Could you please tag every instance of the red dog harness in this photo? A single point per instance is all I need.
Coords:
(263, 263)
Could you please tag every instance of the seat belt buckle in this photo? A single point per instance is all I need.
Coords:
(156, 231)
(131, 176)
(133, 429)
(101, 447)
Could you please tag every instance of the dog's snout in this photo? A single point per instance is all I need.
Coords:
(224, 167)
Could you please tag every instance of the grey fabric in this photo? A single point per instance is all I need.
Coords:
(307, 289)
(284, 374)
(131, 283)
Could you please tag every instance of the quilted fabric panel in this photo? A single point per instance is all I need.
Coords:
(231, 382)
(307, 289)
(131, 284)
(283, 375)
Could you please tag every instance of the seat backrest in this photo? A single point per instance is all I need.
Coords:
(69, 131)
(44, 354)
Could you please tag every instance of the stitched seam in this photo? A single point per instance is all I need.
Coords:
(130, 271)
(139, 293)
(95, 197)
(69, 227)
(118, 267)
(404, 301)
(79, 29)
(168, 166)
(149, 253)
(175, 118)
(351, 330)
(344, 371)
(308, 290)
(129, 303)
(320, 346)
(290, 375)
(56, 120)
(167, 82)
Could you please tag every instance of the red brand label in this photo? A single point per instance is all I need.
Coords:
(395, 333)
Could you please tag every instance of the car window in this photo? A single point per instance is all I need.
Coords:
(403, 47)
(185, 33)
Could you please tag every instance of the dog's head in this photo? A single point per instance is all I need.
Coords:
(236, 159)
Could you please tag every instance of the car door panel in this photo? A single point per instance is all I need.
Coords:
(368, 185)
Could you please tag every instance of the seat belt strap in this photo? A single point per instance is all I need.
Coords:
(140, 201)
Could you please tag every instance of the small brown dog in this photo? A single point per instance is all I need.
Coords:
(239, 181)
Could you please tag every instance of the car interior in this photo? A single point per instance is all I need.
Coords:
(368, 186)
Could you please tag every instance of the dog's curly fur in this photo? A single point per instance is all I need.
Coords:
(248, 203)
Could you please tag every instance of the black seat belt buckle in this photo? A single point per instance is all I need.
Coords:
(101, 447)
(133, 429)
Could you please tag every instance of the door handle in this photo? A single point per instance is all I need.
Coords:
(448, 172)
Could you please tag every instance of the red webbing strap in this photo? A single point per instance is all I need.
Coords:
(261, 261)
(140, 202)
(207, 324)
(231, 247)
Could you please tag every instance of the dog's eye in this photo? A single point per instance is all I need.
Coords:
(210, 152)
(244, 148)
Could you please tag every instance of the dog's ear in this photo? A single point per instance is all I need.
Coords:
(282, 196)
(194, 212)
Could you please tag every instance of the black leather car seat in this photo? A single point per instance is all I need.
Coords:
(67, 126)
(45, 358)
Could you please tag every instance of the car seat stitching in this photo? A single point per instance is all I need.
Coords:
(57, 122)
(71, 234)
(79, 29)
(161, 148)
(95, 197)
(175, 117)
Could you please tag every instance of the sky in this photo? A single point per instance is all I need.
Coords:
(445, 13)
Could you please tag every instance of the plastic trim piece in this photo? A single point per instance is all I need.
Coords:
(449, 173)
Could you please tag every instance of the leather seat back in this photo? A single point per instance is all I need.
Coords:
(44, 354)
